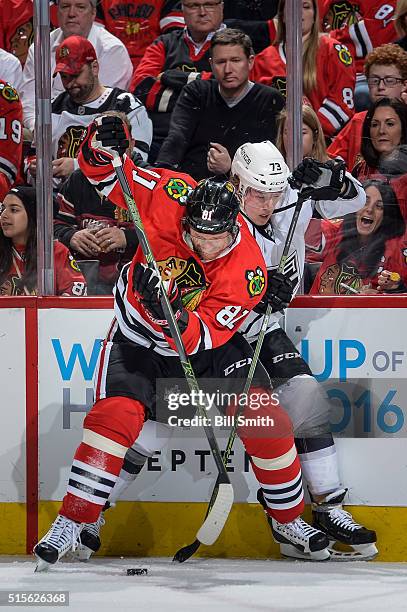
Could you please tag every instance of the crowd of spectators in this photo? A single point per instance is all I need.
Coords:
(196, 79)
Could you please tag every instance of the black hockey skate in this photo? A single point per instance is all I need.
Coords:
(90, 538)
(297, 539)
(339, 526)
(63, 536)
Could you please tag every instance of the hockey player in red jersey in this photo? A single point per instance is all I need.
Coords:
(11, 142)
(138, 23)
(215, 276)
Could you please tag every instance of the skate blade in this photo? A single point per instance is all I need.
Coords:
(83, 553)
(357, 552)
(288, 550)
(42, 566)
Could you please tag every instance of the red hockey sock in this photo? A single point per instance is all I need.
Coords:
(267, 438)
(110, 429)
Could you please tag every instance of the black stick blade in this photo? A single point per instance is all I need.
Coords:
(186, 552)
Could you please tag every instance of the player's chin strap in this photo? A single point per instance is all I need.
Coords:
(187, 551)
(223, 500)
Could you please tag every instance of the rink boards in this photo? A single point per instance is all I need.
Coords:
(357, 348)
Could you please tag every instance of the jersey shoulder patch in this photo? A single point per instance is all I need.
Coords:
(8, 92)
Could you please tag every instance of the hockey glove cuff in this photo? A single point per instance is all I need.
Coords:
(102, 139)
(279, 293)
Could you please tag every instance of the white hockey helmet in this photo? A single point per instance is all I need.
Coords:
(261, 166)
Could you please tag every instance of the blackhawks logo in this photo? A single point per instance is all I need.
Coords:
(344, 55)
(280, 83)
(177, 189)
(342, 13)
(73, 264)
(340, 280)
(8, 93)
(189, 276)
(256, 281)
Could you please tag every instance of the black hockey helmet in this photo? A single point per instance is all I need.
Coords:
(212, 207)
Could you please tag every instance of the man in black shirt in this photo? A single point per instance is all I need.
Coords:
(212, 118)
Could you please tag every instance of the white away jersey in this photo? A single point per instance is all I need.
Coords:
(271, 241)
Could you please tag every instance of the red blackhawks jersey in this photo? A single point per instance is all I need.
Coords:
(68, 278)
(348, 142)
(362, 25)
(11, 136)
(218, 294)
(138, 22)
(332, 98)
(16, 26)
(350, 271)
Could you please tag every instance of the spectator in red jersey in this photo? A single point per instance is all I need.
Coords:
(11, 143)
(328, 68)
(361, 25)
(386, 72)
(18, 250)
(365, 253)
(16, 26)
(384, 131)
(77, 18)
(139, 22)
(175, 59)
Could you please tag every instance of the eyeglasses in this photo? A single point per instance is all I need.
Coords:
(388, 81)
(207, 6)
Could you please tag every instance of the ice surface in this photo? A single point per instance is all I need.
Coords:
(209, 585)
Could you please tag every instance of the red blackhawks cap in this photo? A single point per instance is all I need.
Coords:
(73, 53)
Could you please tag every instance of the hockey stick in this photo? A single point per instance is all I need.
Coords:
(222, 503)
(187, 551)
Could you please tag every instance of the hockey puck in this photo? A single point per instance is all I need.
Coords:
(137, 571)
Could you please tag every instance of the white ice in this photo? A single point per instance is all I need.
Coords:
(209, 585)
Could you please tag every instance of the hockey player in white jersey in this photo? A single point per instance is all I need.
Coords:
(261, 175)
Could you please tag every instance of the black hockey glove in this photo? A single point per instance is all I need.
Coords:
(329, 182)
(111, 134)
(147, 287)
(279, 293)
(308, 171)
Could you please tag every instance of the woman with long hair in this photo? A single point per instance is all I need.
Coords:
(328, 69)
(313, 141)
(363, 253)
(384, 135)
(18, 250)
